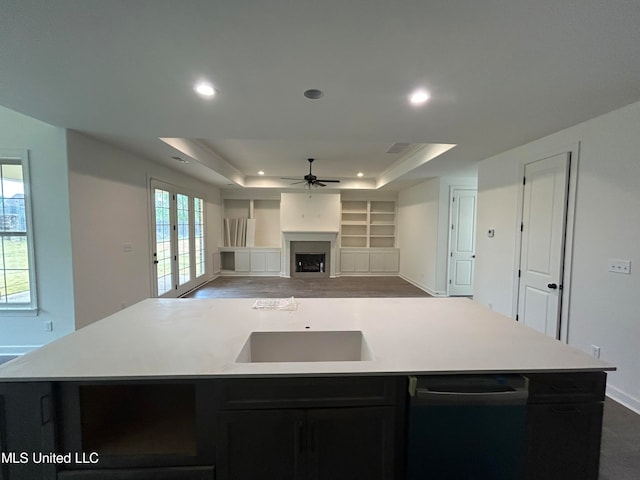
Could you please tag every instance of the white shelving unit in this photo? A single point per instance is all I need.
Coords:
(368, 237)
(367, 224)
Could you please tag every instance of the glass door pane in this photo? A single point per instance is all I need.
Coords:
(163, 263)
(198, 210)
(184, 257)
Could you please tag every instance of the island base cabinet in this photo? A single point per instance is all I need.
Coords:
(27, 420)
(351, 444)
(314, 444)
(175, 473)
(564, 441)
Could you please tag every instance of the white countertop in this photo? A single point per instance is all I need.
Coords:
(191, 338)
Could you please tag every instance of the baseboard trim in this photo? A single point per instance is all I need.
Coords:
(422, 287)
(619, 396)
(368, 274)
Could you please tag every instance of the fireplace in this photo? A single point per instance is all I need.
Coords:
(310, 262)
(310, 259)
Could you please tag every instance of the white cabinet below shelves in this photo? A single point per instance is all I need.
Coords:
(369, 260)
(355, 261)
(242, 261)
(260, 261)
(384, 261)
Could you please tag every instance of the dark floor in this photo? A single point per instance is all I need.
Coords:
(620, 452)
(277, 287)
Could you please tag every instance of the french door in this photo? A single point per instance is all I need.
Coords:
(178, 240)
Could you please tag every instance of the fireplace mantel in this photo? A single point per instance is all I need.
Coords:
(289, 236)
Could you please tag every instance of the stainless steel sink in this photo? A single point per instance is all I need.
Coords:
(305, 346)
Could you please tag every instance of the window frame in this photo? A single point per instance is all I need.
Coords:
(21, 157)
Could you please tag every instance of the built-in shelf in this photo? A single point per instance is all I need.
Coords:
(368, 224)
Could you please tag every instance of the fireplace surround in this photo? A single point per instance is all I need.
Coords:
(310, 258)
(320, 242)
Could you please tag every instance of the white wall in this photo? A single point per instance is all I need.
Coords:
(52, 236)
(418, 216)
(423, 232)
(267, 214)
(110, 207)
(603, 306)
(310, 212)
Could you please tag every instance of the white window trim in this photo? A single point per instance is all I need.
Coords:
(20, 156)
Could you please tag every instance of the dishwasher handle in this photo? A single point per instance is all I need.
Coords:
(431, 397)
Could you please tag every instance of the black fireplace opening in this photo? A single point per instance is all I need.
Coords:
(310, 262)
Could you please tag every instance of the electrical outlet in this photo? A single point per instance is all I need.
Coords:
(48, 326)
(595, 351)
(620, 266)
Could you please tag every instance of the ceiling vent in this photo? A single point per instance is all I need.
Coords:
(398, 147)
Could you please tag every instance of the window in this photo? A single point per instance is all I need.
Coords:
(178, 243)
(198, 208)
(17, 273)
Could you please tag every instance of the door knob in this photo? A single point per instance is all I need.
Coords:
(552, 286)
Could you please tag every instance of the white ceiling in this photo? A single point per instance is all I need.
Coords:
(501, 73)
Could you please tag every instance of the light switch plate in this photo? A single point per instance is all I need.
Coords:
(620, 266)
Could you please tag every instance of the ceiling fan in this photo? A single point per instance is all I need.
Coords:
(310, 179)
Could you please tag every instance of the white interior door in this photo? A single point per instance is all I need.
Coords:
(542, 243)
(462, 241)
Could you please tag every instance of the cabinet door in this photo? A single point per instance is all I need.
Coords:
(242, 261)
(387, 262)
(351, 443)
(564, 441)
(354, 261)
(26, 427)
(273, 261)
(165, 473)
(258, 261)
(260, 444)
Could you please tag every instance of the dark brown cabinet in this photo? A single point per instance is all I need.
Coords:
(134, 428)
(564, 426)
(27, 428)
(308, 429)
(314, 444)
(261, 444)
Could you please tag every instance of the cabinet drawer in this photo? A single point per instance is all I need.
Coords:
(169, 473)
(307, 392)
(567, 387)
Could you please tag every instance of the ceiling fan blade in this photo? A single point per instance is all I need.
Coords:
(317, 182)
(296, 183)
(329, 181)
(289, 178)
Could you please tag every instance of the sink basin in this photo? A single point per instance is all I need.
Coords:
(306, 346)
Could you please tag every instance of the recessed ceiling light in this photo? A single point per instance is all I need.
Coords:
(260, 172)
(313, 93)
(360, 174)
(204, 89)
(419, 97)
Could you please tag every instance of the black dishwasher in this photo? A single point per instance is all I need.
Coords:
(467, 427)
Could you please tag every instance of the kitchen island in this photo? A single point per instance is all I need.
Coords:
(173, 388)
